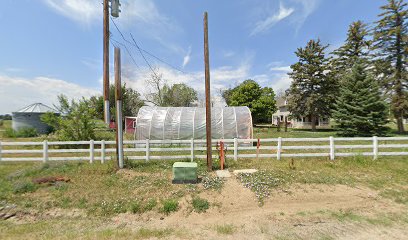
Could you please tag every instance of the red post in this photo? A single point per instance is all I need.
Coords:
(222, 155)
(258, 144)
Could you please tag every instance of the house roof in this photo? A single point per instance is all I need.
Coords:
(280, 102)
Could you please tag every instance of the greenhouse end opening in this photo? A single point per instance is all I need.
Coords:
(178, 123)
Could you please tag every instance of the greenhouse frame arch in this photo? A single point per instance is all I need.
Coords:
(178, 123)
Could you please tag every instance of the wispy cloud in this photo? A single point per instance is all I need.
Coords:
(281, 69)
(267, 23)
(14, 70)
(306, 8)
(84, 12)
(228, 54)
(187, 58)
(20, 92)
(133, 12)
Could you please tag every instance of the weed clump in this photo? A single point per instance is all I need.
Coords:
(200, 205)
(135, 207)
(24, 187)
(169, 205)
(226, 229)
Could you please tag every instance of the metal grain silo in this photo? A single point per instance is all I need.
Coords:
(30, 117)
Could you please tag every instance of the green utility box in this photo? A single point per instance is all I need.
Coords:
(184, 172)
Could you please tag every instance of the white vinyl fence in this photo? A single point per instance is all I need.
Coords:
(274, 148)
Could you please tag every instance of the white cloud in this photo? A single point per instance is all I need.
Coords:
(187, 58)
(221, 78)
(267, 23)
(20, 92)
(280, 82)
(281, 69)
(82, 11)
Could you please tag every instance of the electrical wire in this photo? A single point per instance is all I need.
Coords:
(141, 50)
(127, 50)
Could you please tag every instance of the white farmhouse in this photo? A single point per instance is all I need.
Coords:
(283, 114)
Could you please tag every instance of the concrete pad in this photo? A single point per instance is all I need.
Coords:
(223, 173)
(236, 172)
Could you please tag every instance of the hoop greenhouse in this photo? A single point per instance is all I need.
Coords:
(159, 123)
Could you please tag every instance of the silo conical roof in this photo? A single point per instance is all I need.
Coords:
(37, 108)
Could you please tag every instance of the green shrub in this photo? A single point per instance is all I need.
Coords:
(200, 205)
(9, 133)
(169, 205)
(24, 187)
(25, 132)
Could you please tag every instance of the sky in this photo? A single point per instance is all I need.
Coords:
(52, 47)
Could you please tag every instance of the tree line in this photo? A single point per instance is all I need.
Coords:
(359, 83)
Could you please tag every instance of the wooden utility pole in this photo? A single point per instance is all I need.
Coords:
(207, 94)
(106, 60)
(118, 98)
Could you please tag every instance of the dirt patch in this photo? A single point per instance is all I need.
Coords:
(303, 212)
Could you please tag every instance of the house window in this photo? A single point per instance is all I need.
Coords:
(281, 118)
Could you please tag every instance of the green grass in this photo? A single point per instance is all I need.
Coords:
(225, 229)
(145, 233)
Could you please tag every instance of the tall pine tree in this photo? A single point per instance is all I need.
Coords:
(313, 89)
(355, 47)
(360, 110)
(390, 45)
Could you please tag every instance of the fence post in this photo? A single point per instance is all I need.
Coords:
(235, 149)
(103, 151)
(279, 150)
(375, 147)
(45, 150)
(192, 149)
(91, 151)
(331, 139)
(147, 150)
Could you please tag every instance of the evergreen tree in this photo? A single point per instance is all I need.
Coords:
(313, 89)
(360, 109)
(390, 45)
(355, 47)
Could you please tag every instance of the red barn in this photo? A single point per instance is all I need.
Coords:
(130, 124)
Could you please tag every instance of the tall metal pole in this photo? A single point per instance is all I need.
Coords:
(207, 94)
(118, 97)
(106, 60)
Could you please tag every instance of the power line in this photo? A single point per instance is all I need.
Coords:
(141, 53)
(123, 37)
(143, 50)
(127, 50)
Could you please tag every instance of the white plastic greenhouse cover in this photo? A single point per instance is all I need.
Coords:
(157, 123)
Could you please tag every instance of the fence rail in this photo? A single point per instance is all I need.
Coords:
(277, 148)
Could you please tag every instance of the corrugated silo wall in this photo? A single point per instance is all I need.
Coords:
(29, 120)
